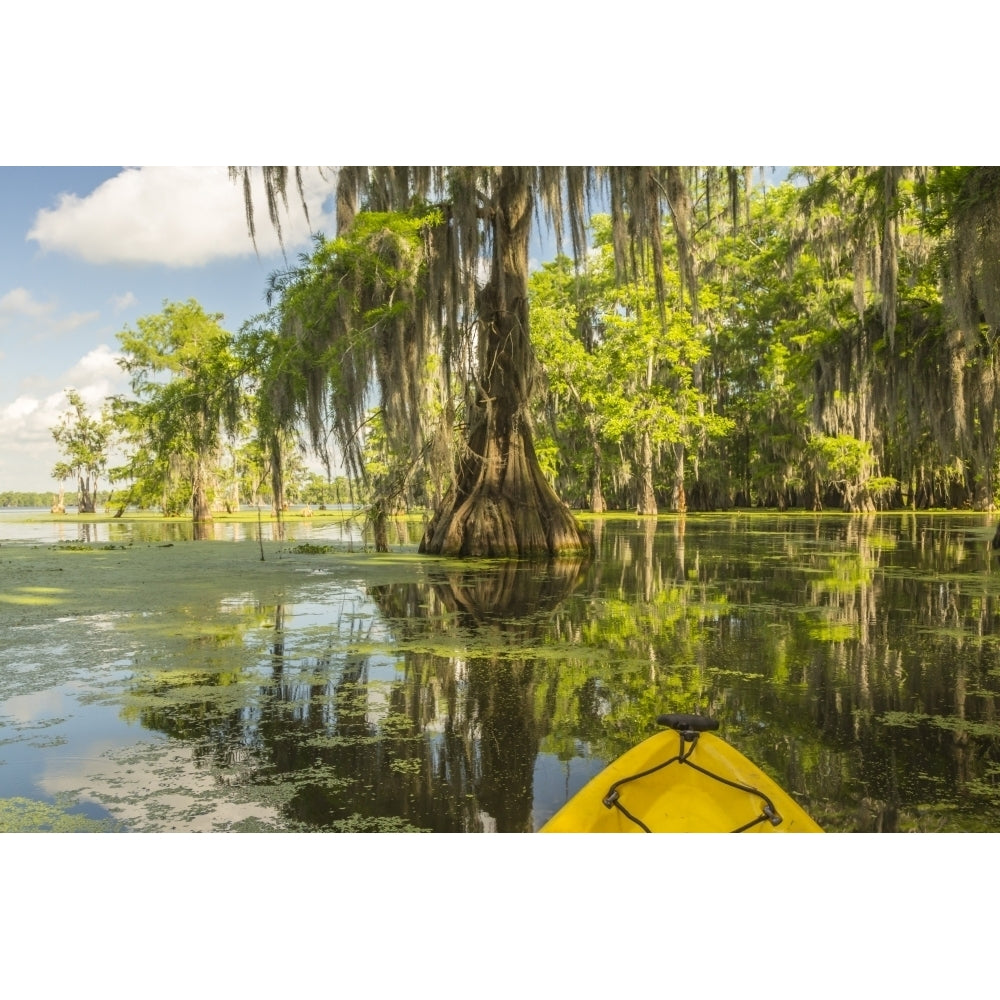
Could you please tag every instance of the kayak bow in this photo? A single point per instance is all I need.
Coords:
(683, 780)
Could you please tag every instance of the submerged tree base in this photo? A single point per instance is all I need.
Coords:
(507, 510)
(495, 527)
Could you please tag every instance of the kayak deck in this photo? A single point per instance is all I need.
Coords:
(681, 782)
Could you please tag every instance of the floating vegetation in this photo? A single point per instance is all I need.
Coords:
(904, 720)
(406, 766)
(966, 727)
(36, 596)
(21, 815)
(86, 547)
(356, 823)
(311, 549)
(949, 723)
(743, 675)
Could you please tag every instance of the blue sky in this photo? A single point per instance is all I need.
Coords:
(85, 251)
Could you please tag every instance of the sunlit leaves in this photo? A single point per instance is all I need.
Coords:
(84, 440)
(187, 386)
(623, 363)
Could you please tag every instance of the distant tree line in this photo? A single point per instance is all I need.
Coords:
(19, 498)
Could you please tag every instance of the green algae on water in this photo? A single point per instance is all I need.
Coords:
(21, 815)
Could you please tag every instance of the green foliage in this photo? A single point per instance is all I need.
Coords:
(186, 381)
(342, 334)
(319, 491)
(83, 441)
(624, 368)
(843, 458)
(21, 498)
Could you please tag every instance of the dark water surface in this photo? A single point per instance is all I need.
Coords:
(855, 658)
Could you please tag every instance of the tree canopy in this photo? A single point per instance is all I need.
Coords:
(175, 426)
(710, 340)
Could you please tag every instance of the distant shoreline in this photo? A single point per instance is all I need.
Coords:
(247, 514)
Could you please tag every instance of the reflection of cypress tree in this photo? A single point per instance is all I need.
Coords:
(510, 595)
(890, 699)
(597, 537)
(294, 737)
(345, 768)
(219, 734)
(278, 648)
(491, 735)
(648, 568)
(513, 603)
(501, 696)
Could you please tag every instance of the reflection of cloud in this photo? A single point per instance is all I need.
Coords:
(142, 787)
(177, 216)
(27, 708)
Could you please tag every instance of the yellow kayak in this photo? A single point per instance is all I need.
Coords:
(683, 780)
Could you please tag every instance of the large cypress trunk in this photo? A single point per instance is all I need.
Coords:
(501, 504)
(88, 497)
(201, 507)
(678, 496)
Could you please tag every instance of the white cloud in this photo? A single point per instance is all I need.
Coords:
(176, 216)
(96, 375)
(121, 302)
(21, 307)
(25, 424)
(19, 302)
(27, 450)
(22, 407)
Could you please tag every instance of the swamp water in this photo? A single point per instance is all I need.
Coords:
(159, 684)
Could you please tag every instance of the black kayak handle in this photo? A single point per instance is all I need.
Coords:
(688, 723)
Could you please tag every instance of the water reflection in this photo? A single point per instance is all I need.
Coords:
(433, 729)
(341, 528)
(857, 659)
(485, 707)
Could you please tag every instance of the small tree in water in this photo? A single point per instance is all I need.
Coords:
(178, 424)
(83, 441)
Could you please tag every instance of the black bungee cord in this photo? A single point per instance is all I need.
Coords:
(612, 800)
